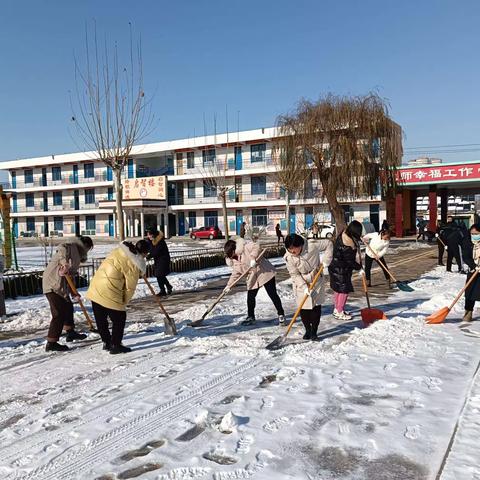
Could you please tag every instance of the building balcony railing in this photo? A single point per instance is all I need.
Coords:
(219, 166)
(65, 180)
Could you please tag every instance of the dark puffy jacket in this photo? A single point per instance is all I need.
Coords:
(161, 256)
(453, 236)
(343, 264)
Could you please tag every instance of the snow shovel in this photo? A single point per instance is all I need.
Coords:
(170, 327)
(197, 323)
(437, 236)
(401, 285)
(74, 290)
(370, 315)
(440, 315)
(279, 341)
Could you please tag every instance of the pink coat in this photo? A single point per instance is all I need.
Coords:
(260, 275)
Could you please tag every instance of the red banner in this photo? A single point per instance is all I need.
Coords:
(439, 173)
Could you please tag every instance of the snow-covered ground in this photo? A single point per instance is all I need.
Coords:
(378, 403)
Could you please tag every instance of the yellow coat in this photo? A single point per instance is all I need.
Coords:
(115, 281)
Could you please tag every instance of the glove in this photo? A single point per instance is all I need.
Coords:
(307, 291)
(253, 263)
(446, 248)
(63, 270)
(226, 290)
(76, 298)
(477, 269)
(361, 272)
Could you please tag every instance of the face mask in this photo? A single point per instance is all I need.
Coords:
(475, 237)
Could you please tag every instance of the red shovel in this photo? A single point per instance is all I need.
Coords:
(370, 315)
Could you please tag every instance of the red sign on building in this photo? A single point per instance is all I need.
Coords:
(439, 173)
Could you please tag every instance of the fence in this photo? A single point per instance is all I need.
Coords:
(22, 284)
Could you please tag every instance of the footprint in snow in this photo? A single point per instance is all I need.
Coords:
(343, 428)
(276, 424)
(244, 443)
(267, 402)
(412, 432)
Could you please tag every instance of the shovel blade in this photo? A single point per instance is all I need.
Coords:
(277, 343)
(196, 323)
(371, 315)
(170, 327)
(404, 287)
(439, 316)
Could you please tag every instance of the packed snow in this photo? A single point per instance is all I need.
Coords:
(213, 403)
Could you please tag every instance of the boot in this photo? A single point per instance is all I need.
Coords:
(369, 284)
(308, 330)
(55, 347)
(169, 290)
(314, 336)
(468, 317)
(162, 294)
(115, 349)
(73, 335)
(390, 285)
(107, 346)
(249, 321)
(281, 320)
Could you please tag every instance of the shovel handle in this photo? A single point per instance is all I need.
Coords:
(152, 291)
(365, 289)
(377, 258)
(440, 240)
(74, 290)
(457, 298)
(220, 297)
(302, 303)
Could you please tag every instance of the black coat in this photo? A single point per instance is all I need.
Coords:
(473, 291)
(453, 236)
(161, 257)
(343, 264)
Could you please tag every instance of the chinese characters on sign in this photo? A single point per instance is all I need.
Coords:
(439, 173)
(151, 188)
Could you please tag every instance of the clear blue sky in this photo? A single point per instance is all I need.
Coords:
(259, 57)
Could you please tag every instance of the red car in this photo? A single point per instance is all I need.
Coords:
(206, 232)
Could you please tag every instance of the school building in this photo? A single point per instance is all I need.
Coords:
(170, 185)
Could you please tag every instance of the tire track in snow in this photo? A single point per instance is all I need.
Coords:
(80, 457)
(116, 406)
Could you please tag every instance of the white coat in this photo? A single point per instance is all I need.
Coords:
(377, 244)
(304, 267)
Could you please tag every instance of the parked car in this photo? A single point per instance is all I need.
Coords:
(206, 232)
(325, 230)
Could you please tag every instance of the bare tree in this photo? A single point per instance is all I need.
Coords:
(291, 173)
(351, 142)
(109, 108)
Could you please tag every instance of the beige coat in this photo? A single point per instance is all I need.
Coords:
(304, 267)
(245, 252)
(72, 254)
(115, 281)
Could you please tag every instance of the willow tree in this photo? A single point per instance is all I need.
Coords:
(290, 172)
(351, 142)
(109, 108)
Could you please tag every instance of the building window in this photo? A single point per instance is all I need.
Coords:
(90, 222)
(257, 152)
(211, 218)
(209, 188)
(15, 203)
(29, 200)
(110, 193)
(130, 168)
(56, 174)
(14, 179)
(89, 196)
(192, 219)
(259, 217)
(259, 185)
(30, 224)
(208, 156)
(58, 224)
(28, 174)
(190, 159)
(191, 189)
(57, 198)
(88, 170)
